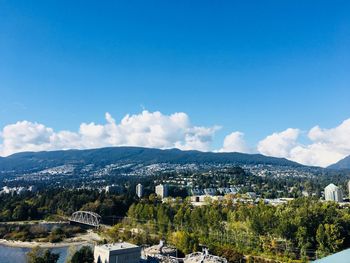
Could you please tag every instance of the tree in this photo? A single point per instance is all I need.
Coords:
(36, 255)
(329, 239)
(71, 251)
(185, 242)
(230, 254)
(83, 255)
(303, 240)
(20, 212)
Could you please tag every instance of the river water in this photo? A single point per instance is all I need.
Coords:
(18, 255)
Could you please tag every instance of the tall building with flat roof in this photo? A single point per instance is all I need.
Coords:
(139, 190)
(333, 193)
(162, 190)
(117, 253)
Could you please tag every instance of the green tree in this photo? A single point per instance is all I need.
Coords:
(329, 239)
(83, 255)
(20, 212)
(303, 240)
(36, 255)
(184, 241)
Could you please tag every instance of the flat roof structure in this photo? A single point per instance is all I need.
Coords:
(340, 257)
(122, 252)
(118, 246)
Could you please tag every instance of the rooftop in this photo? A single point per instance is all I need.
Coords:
(332, 186)
(340, 257)
(117, 246)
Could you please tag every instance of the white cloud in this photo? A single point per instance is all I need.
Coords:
(326, 146)
(316, 154)
(234, 142)
(279, 144)
(148, 129)
(154, 129)
(25, 136)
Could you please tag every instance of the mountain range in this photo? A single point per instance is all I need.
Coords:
(36, 161)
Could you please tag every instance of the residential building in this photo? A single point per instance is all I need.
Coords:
(139, 190)
(119, 252)
(333, 193)
(162, 190)
(209, 191)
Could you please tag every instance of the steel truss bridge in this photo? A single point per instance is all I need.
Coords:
(86, 218)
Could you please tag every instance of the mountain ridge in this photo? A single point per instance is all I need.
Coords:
(25, 161)
(341, 164)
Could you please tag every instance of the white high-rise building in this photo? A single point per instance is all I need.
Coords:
(333, 193)
(139, 190)
(162, 190)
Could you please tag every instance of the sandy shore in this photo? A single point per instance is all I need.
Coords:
(32, 244)
(87, 238)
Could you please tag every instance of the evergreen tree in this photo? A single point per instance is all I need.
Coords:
(83, 255)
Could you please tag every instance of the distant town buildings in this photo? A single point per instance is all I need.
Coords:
(139, 190)
(349, 188)
(214, 190)
(200, 200)
(162, 190)
(333, 193)
(209, 191)
(17, 190)
(119, 252)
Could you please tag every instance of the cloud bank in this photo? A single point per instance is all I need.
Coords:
(157, 130)
(148, 129)
(326, 146)
(279, 144)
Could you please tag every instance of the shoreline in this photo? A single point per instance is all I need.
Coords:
(32, 244)
(84, 239)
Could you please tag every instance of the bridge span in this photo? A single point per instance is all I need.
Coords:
(86, 218)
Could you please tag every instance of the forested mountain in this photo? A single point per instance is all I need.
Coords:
(36, 161)
(342, 164)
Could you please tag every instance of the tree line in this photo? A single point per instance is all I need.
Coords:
(57, 202)
(302, 229)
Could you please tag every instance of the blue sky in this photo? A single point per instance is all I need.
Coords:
(253, 66)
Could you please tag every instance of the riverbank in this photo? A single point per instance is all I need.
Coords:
(83, 239)
(35, 222)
